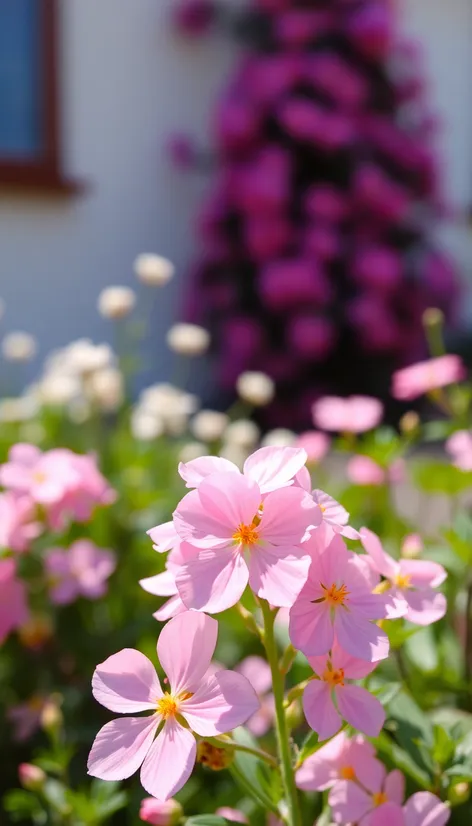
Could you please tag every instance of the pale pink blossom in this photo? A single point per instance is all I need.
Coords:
(353, 803)
(337, 603)
(333, 515)
(459, 447)
(234, 815)
(80, 571)
(329, 700)
(412, 582)
(160, 812)
(270, 467)
(18, 523)
(340, 759)
(163, 585)
(13, 604)
(210, 705)
(257, 671)
(242, 539)
(354, 414)
(425, 376)
(412, 546)
(423, 809)
(362, 470)
(164, 537)
(315, 444)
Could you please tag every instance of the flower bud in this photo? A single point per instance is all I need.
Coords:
(31, 777)
(433, 317)
(19, 346)
(116, 302)
(160, 812)
(153, 270)
(409, 423)
(233, 815)
(51, 717)
(188, 340)
(213, 757)
(255, 388)
(459, 793)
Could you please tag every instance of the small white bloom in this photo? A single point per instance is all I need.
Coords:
(167, 400)
(242, 433)
(208, 425)
(192, 450)
(255, 388)
(84, 357)
(106, 388)
(58, 389)
(235, 454)
(153, 270)
(145, 427)
(188, 339)
(280, 437)
(19, 346)
(116, 302)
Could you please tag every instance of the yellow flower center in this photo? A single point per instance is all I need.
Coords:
(246, 535)
(403, 581)
(334, 677)
(379, 798)
(39, 477)
(336, 595)
(168, 706)
(347, 773)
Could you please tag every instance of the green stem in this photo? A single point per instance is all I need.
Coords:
(283, 741)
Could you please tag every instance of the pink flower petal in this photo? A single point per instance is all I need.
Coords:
(425, 809)
(198, 469)
(360, 709)
(354, 669)
(383, 563)
(311, 629)
(222, 702)
(274, 467)
(185, 648)
(170, 609)
(257, 671)
(371, 774)
(121, 746)
(126, 682)
(394, 786)
(359, 637)
(319, 709)
(425, 607)
(230, 498)
(349, 802)
(169, 762)
(389, 814)
(213, 581)
(422, 573)
(164, 537)
(287, 514)
(278, 574)
(161, 585)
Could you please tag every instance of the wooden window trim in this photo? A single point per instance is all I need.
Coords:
(44, 174)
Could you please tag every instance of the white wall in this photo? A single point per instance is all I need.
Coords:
(128, 82)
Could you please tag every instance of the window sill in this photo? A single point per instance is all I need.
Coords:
(29, 182)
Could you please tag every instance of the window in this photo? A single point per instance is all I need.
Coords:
(29, 117)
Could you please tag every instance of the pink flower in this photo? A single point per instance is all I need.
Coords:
(340, 759)
(160, 812)
(164, 536)
(329, 700)
(351, 802)
(459, 447)
(13, 605)
(425, 376)
(325, 203)
(270, 467)
(242, 537)
(362, 470)
(315, 444)
(412, 546)
(354, 414)
(336, 603)
(80, 571)
(26, 717)
(293, 283)
(234, 815)
(193, 17)
(412, 581)
(423, 809)
(257, 671)
(211, 705)
(310, 337)
(18, 526)
(333, 515)
(379, 268)
(163, 585)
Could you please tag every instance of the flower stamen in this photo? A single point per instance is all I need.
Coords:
(247, 534)
(168, 706)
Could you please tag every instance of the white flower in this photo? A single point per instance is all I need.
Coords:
(209, 425)
(153, 270)
(188, 339)
(106, 388)
(192, 450)
(116, 302)
(243, 433)
(19, 346)
(255, 388)
(280, 437)
(58, 389)
(145, 426)
(84, 357)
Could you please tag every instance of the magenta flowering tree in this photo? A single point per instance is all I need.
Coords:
(317, 253)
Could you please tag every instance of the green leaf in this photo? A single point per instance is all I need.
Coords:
(253, 775)
(206, 820)
(412, 730)
(421, 649)
(56, 795)
(386, 693)
(400, 759)
(439, 477)
(443, 747)
(23, 805)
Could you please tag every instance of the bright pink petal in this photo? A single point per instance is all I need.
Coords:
(164, 537)
(185, 648)
(169, 762)
(349, 802)
(360, 637)
(360, 709)
(126, 682)
(121, 746)
(422, 573)
(274, 467)
(222, 702)
(389, 814)
(425, 607)
(425, 809)
(171, 608)
(287, 514)
(320, 770)
(278, 574)
(311, 628)
(384, 563)
(319, 664)
(319, 709)
(24, 454)
(394, 786)
(354, 669)
(230, 498)
(161, 585)
(213, 581)
(371, 774)
(198, 469)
